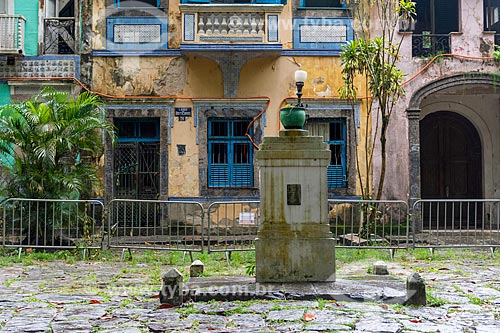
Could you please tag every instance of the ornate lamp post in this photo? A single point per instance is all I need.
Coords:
(294, 116)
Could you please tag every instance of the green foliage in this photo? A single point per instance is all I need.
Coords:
(375, 60)
(434, 301)
(496, 53)
(53, 140)
(250, 269)
(186, 310)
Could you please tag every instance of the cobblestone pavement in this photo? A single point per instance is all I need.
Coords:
(114, 297)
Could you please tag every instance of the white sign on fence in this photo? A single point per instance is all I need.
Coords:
(247, 218)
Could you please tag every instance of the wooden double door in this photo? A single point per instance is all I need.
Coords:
(450, 163)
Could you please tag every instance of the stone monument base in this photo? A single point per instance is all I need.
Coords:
(295, 256)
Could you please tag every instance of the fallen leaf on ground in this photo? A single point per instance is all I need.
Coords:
(416, 320)
(165, 306)
(309, 317)
(124, 294)
(155, 296)
(95, 301)
(21, 309)
(106, 317)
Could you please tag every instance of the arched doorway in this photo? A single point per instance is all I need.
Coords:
(451, 168)
(450, 157)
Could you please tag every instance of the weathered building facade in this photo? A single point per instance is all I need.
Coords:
(445, 135)
(193, 86)
(187, 83)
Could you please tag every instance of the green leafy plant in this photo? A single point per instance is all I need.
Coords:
(250, 269)
(50, 144)
(496, 53)
(375, 59)
(434, 301)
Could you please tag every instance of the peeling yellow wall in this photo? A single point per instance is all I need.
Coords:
(183, 179)
(267, 77)
(204, 79)
(274, 78)
(199, 77)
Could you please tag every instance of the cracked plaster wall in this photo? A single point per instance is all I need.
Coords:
(139, 75)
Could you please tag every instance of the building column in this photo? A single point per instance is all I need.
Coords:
(413, 115)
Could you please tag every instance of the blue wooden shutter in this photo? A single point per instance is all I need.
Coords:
(218, 165)
(242, 168)
(336, 176)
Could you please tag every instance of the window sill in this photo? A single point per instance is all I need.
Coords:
(231, 7)
(139, 7)
(322, 8)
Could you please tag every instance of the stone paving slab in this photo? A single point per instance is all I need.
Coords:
(244, 288)
(117, 300)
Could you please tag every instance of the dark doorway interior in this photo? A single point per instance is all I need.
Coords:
(137, 158)
(450, 165)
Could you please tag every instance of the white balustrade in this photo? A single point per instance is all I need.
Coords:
(12, 34)
(227, 24)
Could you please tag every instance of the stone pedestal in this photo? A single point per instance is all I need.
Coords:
(294, 243)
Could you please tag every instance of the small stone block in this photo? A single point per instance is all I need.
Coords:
(171, 291)
(380, 268)
(415, 290)
(196, 268)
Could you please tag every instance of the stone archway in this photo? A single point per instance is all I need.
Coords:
(414, 114)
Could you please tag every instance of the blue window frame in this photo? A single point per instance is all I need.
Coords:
(333, 131)
(323, 3)
(136, 3)
(230, 153)
(277, 2)
(322, 33)
(138, 130)
(136, 33)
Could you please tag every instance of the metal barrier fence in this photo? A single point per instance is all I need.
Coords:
(156, 225)
(232, 226)
(471, 223)
(370, 223)
(50, 223)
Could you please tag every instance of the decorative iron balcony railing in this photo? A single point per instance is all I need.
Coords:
(244, 24)
(59, 36)
(426, 45)
(12, 34)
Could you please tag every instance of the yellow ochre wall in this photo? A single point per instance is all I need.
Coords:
(183, 78)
